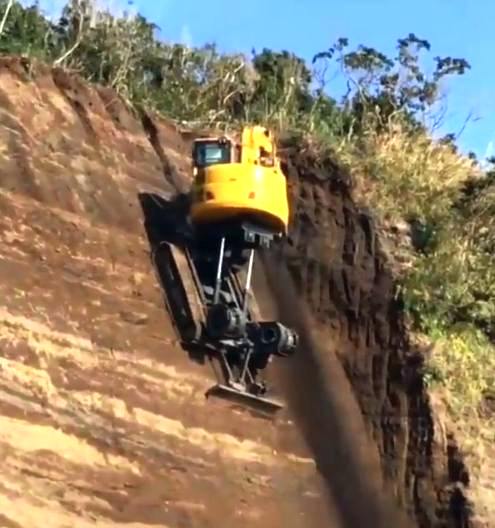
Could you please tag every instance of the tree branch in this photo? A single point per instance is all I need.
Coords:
(71, 50)
(6, 15)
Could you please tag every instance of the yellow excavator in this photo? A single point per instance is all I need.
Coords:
(238, 203)
(233, 180)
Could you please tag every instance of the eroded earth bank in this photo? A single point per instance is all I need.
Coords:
(103, 420)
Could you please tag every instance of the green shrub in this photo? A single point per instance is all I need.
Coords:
(463, 365)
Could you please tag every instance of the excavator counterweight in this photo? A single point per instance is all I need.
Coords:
(238, 204)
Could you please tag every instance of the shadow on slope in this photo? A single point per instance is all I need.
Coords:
(320, 398)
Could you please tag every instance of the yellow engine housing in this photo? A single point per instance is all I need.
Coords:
(231, 190)
(247, 187)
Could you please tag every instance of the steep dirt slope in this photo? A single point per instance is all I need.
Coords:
(102, 416)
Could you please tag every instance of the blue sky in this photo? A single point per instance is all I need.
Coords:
(462, 28)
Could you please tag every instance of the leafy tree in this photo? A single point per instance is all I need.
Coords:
(27, 32)
(283, 84)
(383, 87)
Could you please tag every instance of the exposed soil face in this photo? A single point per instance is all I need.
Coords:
(103, 419)
(340, 268)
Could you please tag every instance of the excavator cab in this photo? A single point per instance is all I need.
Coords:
(208, 152)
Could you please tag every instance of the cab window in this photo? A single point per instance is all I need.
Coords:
(211, 153)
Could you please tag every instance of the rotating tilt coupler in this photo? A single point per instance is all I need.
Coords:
(225, 322)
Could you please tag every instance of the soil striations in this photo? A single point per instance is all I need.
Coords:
(103, 420)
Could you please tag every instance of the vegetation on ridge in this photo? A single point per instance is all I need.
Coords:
(380, 128)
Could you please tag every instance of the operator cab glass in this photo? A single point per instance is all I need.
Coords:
(208, 153)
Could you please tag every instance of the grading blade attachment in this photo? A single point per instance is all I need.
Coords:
(242, 397)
